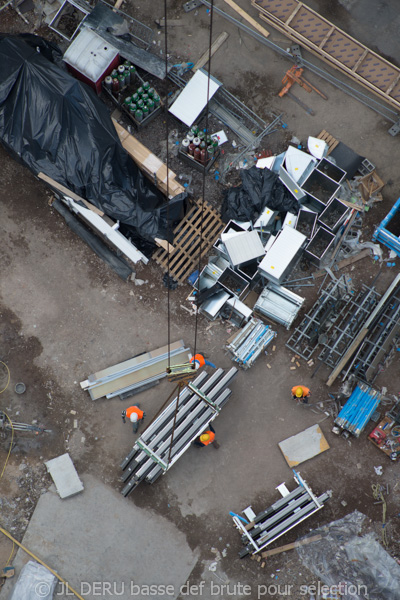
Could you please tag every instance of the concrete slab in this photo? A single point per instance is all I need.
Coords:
(102, 544)
(64, 475)
(303, 446)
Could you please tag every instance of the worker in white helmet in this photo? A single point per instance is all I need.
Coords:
(135, 415)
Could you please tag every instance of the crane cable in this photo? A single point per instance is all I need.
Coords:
(204, 169)
(167, 162)
(203, 181)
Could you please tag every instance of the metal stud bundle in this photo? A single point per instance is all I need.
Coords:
(174, 430)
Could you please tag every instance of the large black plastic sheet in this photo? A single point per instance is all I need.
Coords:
(259, 188)
(57, 125)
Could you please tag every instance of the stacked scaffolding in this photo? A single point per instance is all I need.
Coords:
(382, 341)
(179, 424)
(344, 331)
(331, 304)
(273, 522)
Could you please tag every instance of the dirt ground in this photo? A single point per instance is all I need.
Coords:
(64, 315)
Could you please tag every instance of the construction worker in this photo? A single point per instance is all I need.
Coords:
(301, 393)
(135, 415)
(206, 438)
(200, 361)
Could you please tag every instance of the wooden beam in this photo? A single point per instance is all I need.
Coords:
(310, 540)
(148, 162)
(164, 244)
(294, 13)
(352, 205)
(358, 63)
(326, 38)
(118, 4)
(345, 262)
(61, 188)
(214, 47)
(248, 18)
(342, 363)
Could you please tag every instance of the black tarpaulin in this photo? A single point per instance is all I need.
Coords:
(259, 188)
(57, 125)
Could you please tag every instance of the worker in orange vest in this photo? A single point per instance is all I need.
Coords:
(135, 415)
(200, 361)
(301, 393)
(206, 438)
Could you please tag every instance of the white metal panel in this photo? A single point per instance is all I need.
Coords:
(317, 147)
(90, 54)
(244, 248)
(265, 218)
(287, 244)
(113, 236)
(290, 220)
(193, 97)
(297, 162)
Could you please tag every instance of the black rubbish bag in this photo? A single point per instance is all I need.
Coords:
(259, 188)
(55, 124)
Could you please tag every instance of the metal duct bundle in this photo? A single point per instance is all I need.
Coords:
(178, 425)
(250, 341)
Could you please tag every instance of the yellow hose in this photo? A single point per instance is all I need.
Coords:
(41, 562)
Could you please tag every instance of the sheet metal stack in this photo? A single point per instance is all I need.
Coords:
(273, 522)
(136, 374)
(173, 431)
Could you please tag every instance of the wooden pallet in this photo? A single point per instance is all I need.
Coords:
(318, 35)
(329, 139)
(187, 242)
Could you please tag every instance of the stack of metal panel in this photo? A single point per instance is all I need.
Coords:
(178, 425)
(273, 522)
(358, 409)
(136, 374)
(279, 304)
(250, 341)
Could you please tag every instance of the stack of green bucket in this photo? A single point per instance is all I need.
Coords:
(143, 102)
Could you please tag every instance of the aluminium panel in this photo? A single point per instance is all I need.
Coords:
(282, 254)
(244, 248)
(194, 97)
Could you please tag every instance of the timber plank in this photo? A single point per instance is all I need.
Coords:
(149, 163)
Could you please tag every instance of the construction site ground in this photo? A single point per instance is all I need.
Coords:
(64, 315)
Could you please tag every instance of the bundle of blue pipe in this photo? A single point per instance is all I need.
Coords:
(358, 409)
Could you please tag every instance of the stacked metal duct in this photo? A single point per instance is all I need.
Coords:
(173, 431)
(250, 342)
